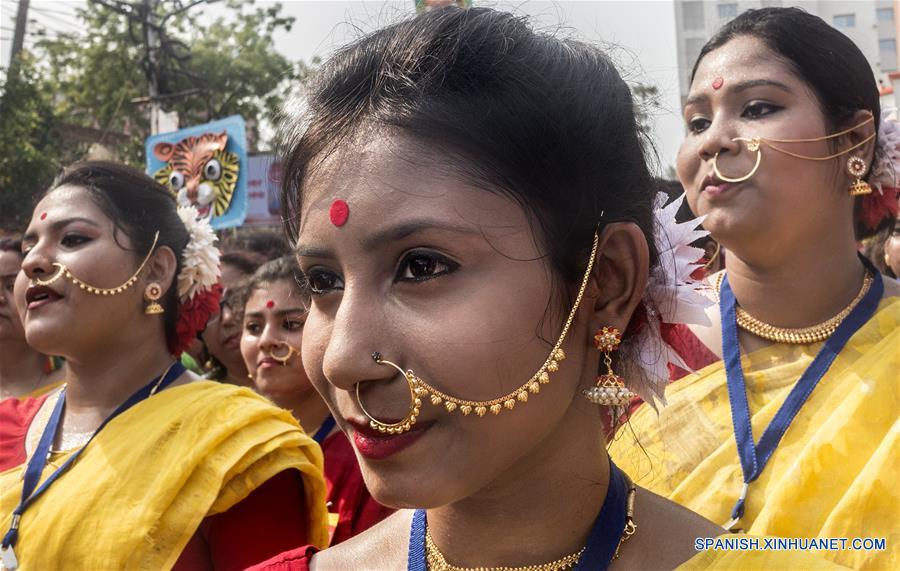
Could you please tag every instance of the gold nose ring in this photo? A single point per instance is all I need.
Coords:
(753, 145)
(415, 403)
(283, 359)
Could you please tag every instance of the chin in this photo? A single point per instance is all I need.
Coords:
(48, 339)
(409, 489)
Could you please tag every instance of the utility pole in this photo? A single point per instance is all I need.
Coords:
(151, 39)
(19, 32)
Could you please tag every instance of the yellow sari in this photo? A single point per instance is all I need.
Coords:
(140, 490)
(836, 472)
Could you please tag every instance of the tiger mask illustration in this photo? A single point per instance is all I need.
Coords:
(199, 172)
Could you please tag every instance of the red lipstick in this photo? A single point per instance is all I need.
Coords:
(377, 446)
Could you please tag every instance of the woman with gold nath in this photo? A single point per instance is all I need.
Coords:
(274, 313)
(794, 432)
(134, 463)
(474, 217)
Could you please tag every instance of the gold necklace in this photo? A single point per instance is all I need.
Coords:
(437, 561)
(803, 335)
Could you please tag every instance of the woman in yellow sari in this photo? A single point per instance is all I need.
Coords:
(795, 432)
(135, 463)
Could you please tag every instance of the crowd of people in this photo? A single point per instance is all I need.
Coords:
(489, 339)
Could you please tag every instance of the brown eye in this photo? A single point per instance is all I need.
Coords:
(421, 266)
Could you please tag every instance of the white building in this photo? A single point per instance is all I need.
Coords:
(871, 24)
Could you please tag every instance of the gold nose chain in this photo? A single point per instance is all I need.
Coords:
(755, 144)
(420, 389)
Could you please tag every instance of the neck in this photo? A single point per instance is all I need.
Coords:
(21, 368)
(99, 384)
(799, 290)
(561, 486)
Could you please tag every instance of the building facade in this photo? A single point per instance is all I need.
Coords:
(871, 24)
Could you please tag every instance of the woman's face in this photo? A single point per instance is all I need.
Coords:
(273, 321)
(10, 323)
(445, 279)
(67, 227)
(743, 89)
(222, 336)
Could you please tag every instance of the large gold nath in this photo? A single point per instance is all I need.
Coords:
(63, 271)
(419, 389)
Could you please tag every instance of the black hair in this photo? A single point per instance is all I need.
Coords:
(11, 245)
(548, 122)
(265, 243)
(235, 259)
(138, 207)
(829, 62)
(284, 268)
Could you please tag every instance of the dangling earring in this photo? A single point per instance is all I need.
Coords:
(152, 293)
(610, 389)
(856, 166)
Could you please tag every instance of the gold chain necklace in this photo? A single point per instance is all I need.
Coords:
(437, 561)
(804, 335)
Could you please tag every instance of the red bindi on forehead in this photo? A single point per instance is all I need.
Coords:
(718, 83)
(339, 212)
(270, 304)
(43, 215)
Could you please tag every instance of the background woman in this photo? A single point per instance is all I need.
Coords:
(795, 433)
(142, 466)
(463, 210)
(23, 371)
(274, 315)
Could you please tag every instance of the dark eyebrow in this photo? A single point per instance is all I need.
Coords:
(391, 234)
(55, 226)
(739, 87)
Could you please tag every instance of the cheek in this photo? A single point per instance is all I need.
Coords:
(249, 351)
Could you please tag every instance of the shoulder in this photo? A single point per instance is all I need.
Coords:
(382, 547)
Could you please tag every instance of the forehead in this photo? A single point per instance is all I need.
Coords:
(280, 291)
(744, 58)
(69, 201)
(392, 178)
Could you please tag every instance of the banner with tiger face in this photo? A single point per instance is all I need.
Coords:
(204, 166)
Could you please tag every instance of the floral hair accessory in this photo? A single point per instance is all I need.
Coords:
(199, 291)
(672, 296)
(885, 174)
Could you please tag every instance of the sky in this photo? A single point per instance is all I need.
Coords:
(639, 34)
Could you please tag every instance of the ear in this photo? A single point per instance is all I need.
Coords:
(161, 269)
(863, 128)
(620, 275)
(163, 151)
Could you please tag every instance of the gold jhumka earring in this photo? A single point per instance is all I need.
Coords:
(63, 271)
(420, 389)
(755, 144)
(152, 293)
(610, 389)
(856, 166)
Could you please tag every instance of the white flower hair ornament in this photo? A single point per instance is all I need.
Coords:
(199, 291)
(672, 297)
(200, 259)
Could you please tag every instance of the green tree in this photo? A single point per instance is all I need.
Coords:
(30, 150)
(94, 84)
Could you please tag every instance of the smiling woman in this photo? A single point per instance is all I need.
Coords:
(104, 284)
(474, 217)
